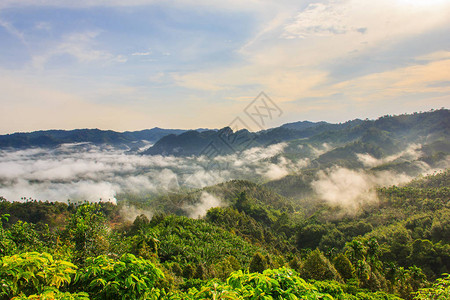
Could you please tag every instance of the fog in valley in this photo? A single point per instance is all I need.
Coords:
(102, 173)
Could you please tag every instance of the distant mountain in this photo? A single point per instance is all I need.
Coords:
(384, 136)
(223, 141)
(302, 125)
(52, 138)
(151, 135)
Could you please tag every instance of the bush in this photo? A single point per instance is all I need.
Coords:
(33, 273)
(128, 278)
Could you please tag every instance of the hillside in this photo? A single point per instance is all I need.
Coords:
(389, 250)
(401, 143)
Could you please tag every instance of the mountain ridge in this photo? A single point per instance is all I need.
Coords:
(182, 142)
(389, 133)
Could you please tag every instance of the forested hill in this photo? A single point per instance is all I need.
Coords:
(390, 132)
(395, 248)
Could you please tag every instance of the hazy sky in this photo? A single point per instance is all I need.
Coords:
(135, 64)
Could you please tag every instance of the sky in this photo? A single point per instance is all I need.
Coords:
(137, 64)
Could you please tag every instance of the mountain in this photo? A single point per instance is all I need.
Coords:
(381, 137)
(300, 125)
(52, 138)
(223, 141)
(384, 136)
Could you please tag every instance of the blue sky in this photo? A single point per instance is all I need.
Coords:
(129, 65)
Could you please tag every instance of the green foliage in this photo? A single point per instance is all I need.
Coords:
(139, 223)
(311, 235)
(344, 266)
(250, 229)
(258, 263)
(25, 236)
(145, 243)
(51, 213)
(316, 266)
(424, 255)
(128, 278)
(54, 294)
(225, 267)
(440, 290)
(436, 180)
(196, 241)
(7, 245)
(440, 228)
(271, 284)
(295, 264)
(88, 229)
(333, 239)
(33, 273)
(394, 247)
(274, 284)
(332, 288)
(188, 271)
(200, 272)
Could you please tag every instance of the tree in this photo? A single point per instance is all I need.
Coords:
(355, 251)
(316, 266)
(258, 263)
(200, 272)
(344, 266)
(424, 255)
(88, 229)
(333, 239)
(140, 222)
(145, 244)
(188, 271)
(242, 203)
(295, 264)
(7, 245)
(311, 235)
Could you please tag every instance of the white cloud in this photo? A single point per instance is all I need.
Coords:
(438, 55)
(142, 53)
(69, 171)
(80, 45)
(46, 26)
(130, 212)
(13, 31)
(206, 202)
(320, 19)
(352, 189)
(411, 153)
(411, 80)
(290, 59)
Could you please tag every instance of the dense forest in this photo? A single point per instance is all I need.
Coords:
(260, 245)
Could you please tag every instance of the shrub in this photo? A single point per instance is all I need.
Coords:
(33, 273)
(128, 278)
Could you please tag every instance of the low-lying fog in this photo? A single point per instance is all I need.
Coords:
(90, 172)
(93, 173)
